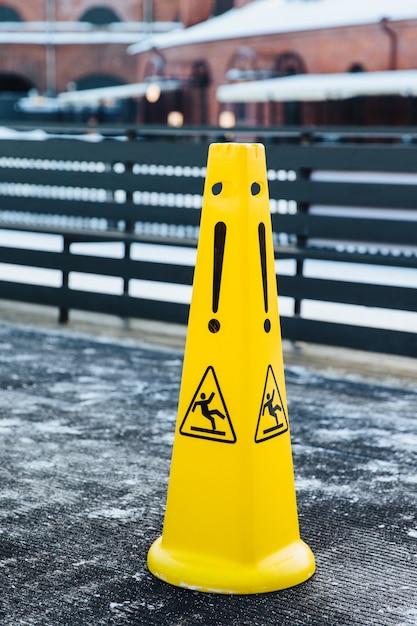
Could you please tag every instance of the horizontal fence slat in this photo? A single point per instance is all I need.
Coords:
(382, 258)
(362, 294)
(352, 194)
(389, 231)
(102, 210)
(163, 184)
(156, 152)
(360, 158)
(109, 181)
(58, 206)
(349, 336)
(123, 306)
(73, 235)
(386, 231)
(125, 268)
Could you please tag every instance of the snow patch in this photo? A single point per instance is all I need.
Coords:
(56, 427)
(114, 513)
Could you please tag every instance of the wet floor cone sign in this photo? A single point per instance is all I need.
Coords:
(231, 523)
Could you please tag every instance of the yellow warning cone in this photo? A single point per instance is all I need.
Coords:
(231, 523)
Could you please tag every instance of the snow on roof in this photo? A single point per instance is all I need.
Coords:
(263, 17)
(117, 92)
(73, 33)
(67, 27)
(69, 38)
(321, 87)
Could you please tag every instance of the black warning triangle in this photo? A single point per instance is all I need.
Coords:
(207, 416)
(272, 420)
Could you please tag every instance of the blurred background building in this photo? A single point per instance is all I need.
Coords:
(253, 62)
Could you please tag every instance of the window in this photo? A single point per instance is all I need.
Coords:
(221, 6)
(289, 64)
(7, 14)
(100, 16)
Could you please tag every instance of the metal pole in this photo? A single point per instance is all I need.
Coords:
(148, 11)
(50, 48)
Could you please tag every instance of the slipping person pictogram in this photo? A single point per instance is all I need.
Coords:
(272, 409)
(272, 420)
(206, 411)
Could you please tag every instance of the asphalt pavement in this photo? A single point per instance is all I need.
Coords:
(86, 431)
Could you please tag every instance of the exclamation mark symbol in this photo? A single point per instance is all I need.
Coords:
(219, 243)
(262, 251)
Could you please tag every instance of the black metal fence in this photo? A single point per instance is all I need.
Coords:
(344, 218)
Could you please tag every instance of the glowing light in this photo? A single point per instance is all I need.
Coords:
(227, 119)
(153, 92)
(175, 118)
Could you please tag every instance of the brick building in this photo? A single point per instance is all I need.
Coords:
(52, 45)
(280, 38)
(49, 44)
(56, 45)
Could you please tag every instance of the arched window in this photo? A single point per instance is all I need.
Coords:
(356, 67)
(242, 65)
(289, 64)
(221, 6)
(7, 14)
(100, 16)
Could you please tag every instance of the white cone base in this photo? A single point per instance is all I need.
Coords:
(288, 567)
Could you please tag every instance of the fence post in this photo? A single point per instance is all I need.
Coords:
(64, 311)
(302, 207)
(129, 229)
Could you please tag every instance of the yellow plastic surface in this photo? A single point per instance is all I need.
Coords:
(231, 523)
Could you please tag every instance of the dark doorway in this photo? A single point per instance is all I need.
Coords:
(290, 64)
(13, 83)
(12, 88)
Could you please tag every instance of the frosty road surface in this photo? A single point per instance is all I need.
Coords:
(86, 431)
